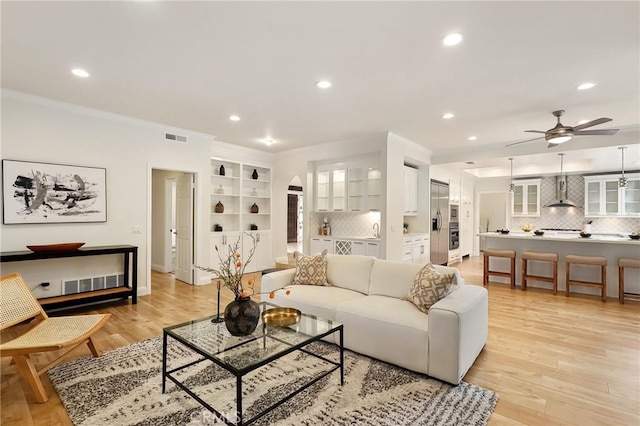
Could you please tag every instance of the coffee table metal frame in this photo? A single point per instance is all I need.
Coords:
(240, 372)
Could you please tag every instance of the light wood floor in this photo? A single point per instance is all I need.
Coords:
(553, 360)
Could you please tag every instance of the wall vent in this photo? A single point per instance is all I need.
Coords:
(177, 138)
(82, 285)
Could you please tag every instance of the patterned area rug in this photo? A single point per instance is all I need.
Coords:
(123, 387)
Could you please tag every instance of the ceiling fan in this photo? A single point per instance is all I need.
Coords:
(561, 133)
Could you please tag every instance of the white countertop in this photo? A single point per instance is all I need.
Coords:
(565, 236)
(350, 238)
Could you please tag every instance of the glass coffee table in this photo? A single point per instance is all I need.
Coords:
(242, 355)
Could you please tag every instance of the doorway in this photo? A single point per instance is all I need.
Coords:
(172, 223)
(492, 207)
(295, 215)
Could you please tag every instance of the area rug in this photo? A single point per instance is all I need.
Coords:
(123, 387)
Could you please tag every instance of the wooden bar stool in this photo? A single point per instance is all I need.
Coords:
(510, 254)
(572, 259)
(625, 262)
(540, 257)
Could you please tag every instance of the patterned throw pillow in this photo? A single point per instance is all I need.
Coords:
(310, 270)
(429, 286)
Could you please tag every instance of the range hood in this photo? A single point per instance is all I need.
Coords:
(561, 194)
(561, 190)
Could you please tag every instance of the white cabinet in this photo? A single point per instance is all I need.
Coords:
(415, 249)
(356, 188)
(319, 244)
(410, 191)
(358, 248)
(372, 249)
(604, 197)
(525, 199)
(262, 256)
(219, 244)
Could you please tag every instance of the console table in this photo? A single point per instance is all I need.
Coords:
(129, 252)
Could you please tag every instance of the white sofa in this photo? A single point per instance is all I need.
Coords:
(369, 297)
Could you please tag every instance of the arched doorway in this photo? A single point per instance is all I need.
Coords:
(294, 216)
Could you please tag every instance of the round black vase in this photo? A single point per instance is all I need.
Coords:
(241, 316)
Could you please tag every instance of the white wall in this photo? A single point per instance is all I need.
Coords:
(161, 219)
(42, 130)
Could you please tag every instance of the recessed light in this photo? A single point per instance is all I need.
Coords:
(586, 86)
(267, 141)
(452, 39)
(448, 115)
(579, 122)
(472, 138)
(79, 72)
(323, 84)
(234, 118)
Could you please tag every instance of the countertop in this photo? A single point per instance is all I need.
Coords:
(350, 238)
(608, 238)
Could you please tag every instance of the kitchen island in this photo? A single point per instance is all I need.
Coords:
(610, 246)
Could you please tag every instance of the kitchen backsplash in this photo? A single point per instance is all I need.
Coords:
(345, 224)
(571, 217)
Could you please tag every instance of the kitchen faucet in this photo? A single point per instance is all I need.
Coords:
(376, 230)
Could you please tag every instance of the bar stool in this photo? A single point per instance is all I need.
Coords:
(625, 262)
(510, 254)
(572, 259)
(540, 257)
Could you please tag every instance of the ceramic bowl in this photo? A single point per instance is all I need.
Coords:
(538, 233)
(585, 235)
(634, 236)
(503, 231)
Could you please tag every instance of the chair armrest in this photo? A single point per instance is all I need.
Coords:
(458, 330)
(274, 281)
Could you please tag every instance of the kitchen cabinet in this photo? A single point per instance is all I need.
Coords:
(355, 188)
(262, 256)
(319, 244)
(525, 199)
(410, 191)
(374, 189)
(414, 249)
(372, 249)
(603, 196)
(331, 188)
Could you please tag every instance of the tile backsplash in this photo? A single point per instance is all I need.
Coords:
(345, 224)
(571, 217)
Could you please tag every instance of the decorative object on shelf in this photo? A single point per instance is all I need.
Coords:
(220, 190)
(586, 227)
(52, 193)
(405, 228)
(585, 234)
(526, 228)
(622, 182)
(222, 172)
(217, 228)
(242, 315)
(326, 229)
(253, 227)
(255, 208)
(512, 186)
(503, 231)
(281, 317)
(538, 232)
(254, 192)
(254, 175)
(55, 247)
(219, 208)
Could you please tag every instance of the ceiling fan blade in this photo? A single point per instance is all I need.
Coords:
(608, 132)
(528, 140)
(535, 131)
(552, 145)
(592, 123)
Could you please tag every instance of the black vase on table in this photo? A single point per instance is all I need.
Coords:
(241, 316)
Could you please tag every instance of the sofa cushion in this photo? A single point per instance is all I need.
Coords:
(388, 329)
(350, 272)
(393, 279)
(429, 286)
(311, 270)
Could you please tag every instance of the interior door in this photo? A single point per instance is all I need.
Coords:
(184, 228)
(292, 218)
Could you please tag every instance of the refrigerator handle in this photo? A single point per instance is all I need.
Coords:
(439, 221)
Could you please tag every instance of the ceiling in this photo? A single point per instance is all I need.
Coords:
(193, 64)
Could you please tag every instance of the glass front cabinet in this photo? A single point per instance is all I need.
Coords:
(525, 200)
(604, 196)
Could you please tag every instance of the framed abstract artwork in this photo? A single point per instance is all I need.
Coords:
(52, 193)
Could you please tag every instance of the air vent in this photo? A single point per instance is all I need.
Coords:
(82, 285)
(177, 138)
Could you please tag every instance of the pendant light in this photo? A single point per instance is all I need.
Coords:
(622, 182)
(512, 187)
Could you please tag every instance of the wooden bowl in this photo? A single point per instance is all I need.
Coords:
(55, 247)
(281, 317)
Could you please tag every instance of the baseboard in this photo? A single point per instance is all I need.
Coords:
(160, 268)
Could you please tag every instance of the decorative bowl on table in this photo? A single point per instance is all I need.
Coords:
(585, 235)
(503, 231)
(526, 228)
(634, 236)
(538, 232)
(55, 247)
(281, 317)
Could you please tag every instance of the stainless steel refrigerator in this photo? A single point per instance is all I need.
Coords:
(439, 207)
